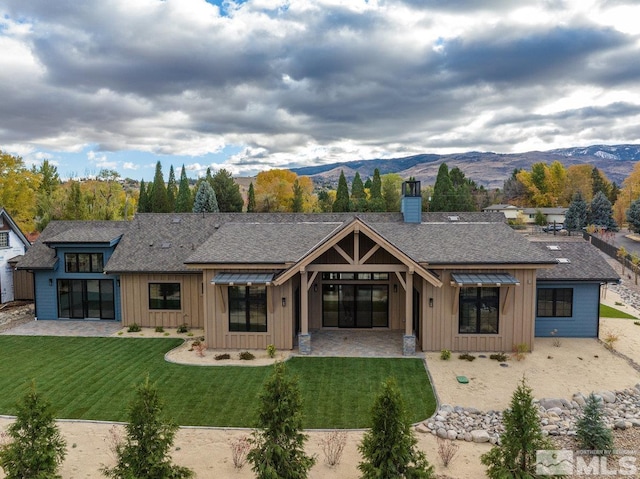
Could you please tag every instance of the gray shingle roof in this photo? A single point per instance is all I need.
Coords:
(585, 263)
(462, 243)
(41, 256)
(84, 234)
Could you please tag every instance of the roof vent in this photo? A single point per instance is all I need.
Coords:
(553, 247)
(563, 260)
(166, 245)
(216, 226)
(176, 219)
(453, 218)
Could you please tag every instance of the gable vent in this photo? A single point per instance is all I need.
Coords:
(563, 260)
(553, 247)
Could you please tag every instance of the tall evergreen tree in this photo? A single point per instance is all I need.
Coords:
(598, 183)
(143, 199)
(205, 201)
(601, 212)
(377, 202)
(145, 451)
(184, 201)
(342, 203)
(49, 184)
(297, 200)
(389, 448)
(76, 207)
(159, 201)
(172, 190)
(324, 201)
(227, 192)
(442, 190)
(37, 448)
(251, 199)
(391, 185)
(633, 216)
(358, 195)
(515, 456)
(576, 215)
(278, 441)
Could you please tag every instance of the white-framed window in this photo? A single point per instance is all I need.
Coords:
(4, 239)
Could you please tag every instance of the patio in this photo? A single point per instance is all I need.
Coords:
(357, 343)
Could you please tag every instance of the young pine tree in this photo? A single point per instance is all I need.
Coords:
(251, 199)
(205, 201)
(278, 442)
(172, 190)
(37, 449)
(389, 448)
(591, 431)
(515, 456)
(145, 450)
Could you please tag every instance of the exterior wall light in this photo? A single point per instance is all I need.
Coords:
(431, 302)
(284, 302)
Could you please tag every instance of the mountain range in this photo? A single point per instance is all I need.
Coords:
(485, 168)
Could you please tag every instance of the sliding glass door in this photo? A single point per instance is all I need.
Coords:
(86, 298)
(355, 305)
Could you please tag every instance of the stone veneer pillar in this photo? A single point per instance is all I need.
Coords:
(408, 345)
(304, 344)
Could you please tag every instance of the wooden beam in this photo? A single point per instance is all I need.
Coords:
(356, 246)
(363, 268)
(402, 282)
(343, 254)
(304, 304)
(504, 302)
(455, 300)
(222, 301)
(312, 279)
(369, 254)
(408, 308)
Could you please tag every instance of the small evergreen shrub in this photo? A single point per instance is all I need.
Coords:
(591, 431)
(467, 357)
(246, 356)
(159, 329)
(271, 351)
(134, 328)
(445, 354)
(220, 357)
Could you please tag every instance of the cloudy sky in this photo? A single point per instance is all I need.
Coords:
(255, 84)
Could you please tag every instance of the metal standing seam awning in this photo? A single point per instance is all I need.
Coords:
(248, 279)
(242, 279)
(483, 279)
(460, 280)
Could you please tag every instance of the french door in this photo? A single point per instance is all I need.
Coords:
(86, 298)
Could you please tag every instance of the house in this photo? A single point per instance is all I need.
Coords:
(67, 262)
(463, 281)
(510, 212)
(13, 243)
(552, 215)
(568, 298)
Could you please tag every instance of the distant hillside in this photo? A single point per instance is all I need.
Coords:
(485, 168)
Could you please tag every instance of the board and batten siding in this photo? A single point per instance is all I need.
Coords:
(516, 318)
(280, 321)
(134, 290)
(585, 313)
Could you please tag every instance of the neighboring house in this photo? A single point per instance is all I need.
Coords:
(552, 215)
(510, 212)
(67, 262)
(13, 243)
(568, 298)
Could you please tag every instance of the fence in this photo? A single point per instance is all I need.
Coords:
(609, 249)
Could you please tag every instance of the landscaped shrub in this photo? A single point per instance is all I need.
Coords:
(159, 329)
(271, 351)
(332, 445)
(278, 441)
(515, 455)
(591, 431)
(36, 448)
(145, 450)
(447, 450)
(183, 328)
(219, 357)
(445, 354)
(467, 356)
(134, 328)
(239, 450)
(519, 351)
(246, 355)
(389, 448)
(500, 357)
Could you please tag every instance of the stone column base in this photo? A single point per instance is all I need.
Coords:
(408, 345)
(304, 344)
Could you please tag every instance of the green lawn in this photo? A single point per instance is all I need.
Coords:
(93, 378)
(609, 312)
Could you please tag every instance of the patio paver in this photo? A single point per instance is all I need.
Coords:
(65, 328)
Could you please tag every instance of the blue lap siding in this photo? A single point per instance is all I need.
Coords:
(584, 321)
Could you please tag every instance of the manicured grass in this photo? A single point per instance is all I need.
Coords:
(609, 312)
(93, 378)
